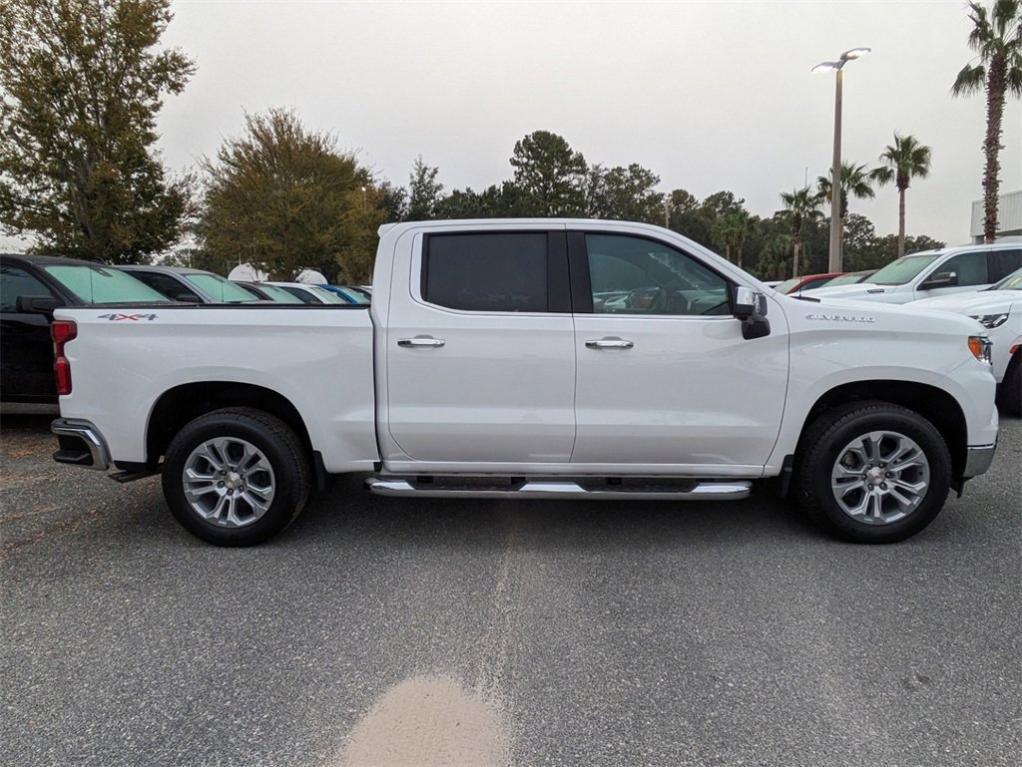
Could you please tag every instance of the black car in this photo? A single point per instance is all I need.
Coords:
(31, 287)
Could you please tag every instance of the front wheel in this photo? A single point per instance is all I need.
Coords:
(235, 477)
(872, 472)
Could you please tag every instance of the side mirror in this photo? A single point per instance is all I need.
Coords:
(940, 280)
(37, 304)
(751, 308)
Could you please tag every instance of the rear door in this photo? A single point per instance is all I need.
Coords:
(666, 382)
(26, 350)
(1001, 263)
(480, 350)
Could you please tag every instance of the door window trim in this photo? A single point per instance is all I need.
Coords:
(557, 272)
(582, 287)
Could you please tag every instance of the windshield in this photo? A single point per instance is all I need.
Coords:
(846, 279)
(324, 295)
(96, 285)
(902, 270)
(1012, 282)
(787, 285)
(221, 290)
(366, 294)
(278, 294)
(354, 295)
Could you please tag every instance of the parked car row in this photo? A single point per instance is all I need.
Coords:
(33, 286)
(951, 279)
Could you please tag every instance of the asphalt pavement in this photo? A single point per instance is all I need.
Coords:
(397, 631)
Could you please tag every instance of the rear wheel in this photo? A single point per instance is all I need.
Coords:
(1010, 391)
(872, 472)
(236, 477)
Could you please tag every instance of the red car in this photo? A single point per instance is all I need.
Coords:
(806, 282)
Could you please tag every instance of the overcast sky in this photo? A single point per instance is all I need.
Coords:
(710, 96)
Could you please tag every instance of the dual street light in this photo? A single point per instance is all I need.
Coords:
(835, 178)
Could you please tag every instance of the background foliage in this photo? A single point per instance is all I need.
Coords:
(81, 85)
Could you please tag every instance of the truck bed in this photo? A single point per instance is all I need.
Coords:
(320, 358)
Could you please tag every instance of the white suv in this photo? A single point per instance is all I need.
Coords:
(999, 310)
(933, 273)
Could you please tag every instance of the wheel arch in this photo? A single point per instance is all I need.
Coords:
(185, 402)
(934, 404)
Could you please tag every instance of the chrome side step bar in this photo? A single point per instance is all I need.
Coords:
(652, 489)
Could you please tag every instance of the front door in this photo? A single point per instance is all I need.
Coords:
(665, 379)
(480, 353)
(971, 272)
(26, 374)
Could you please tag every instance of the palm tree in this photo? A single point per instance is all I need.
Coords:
(906, 160)
(800, 206)
(996, 36)
(729, 232)
(855, 181)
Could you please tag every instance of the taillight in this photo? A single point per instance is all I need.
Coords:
(62, 331)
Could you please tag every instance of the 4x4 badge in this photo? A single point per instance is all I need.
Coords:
(133, 317)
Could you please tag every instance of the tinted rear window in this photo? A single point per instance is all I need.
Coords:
(16, 282)
(499, 272)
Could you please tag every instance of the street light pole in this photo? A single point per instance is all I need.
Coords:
(835, 257)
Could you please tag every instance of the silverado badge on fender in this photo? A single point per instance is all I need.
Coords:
(839, 318)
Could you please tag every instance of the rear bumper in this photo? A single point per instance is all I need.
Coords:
(80, 444)
(978, 460)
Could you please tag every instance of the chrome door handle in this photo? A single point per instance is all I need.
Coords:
(610, 342)
(421, 342)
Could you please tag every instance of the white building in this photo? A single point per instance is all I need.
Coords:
(1009, 217)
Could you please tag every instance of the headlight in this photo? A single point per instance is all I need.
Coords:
(981, 348)
(991, 321)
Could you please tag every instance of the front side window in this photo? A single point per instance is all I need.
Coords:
(971, 268)
(221, 290)
(631, 275)
(492, 272)
(103, 285)
(903, 270)
(15, 282)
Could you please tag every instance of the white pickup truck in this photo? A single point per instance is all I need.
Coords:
(533, 359)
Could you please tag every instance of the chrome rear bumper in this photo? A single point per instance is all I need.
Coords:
(80, 444)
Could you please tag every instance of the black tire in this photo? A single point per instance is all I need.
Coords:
(283, 450)
(825, 438)
(1009, 393)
